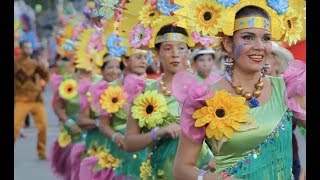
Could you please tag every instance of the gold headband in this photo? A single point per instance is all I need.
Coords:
(132, 51)
(171, 37)
(111, 57)
(252, 22)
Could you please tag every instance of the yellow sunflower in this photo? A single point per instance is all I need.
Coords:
(145, 170)
(112, 99)
(106, 160)
(150, 108)
(87, 55)
(291, 26)
(223, 113)
(68, 89)
(64, 139)
(203, 16)
(149, 16)
(94, 150)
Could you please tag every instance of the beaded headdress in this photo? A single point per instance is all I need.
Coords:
(217, 17)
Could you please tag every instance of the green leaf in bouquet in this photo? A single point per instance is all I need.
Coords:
(121, 114)
(97, 168)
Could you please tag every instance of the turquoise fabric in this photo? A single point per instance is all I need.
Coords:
(72, 110)
(264, 152)
(129, 162)
(164, 151)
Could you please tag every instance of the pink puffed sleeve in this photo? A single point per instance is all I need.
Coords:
(191, 95)
(95, 92)
(133, 85)
(295, 80)
(55, 81)
(83, 87)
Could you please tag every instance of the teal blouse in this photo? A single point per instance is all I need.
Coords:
(264, 152)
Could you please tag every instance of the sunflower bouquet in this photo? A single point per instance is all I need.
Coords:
(67, 89)
(107, 100)
(206, 113)
(106, 161)
(112, 101)
(150, 108)
(223, 114)
(64, 138)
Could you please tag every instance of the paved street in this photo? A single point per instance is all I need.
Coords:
(28, 167)
(26, 163)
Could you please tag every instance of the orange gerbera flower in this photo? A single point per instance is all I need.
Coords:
(68, 89)
(224, 114)
(113, 99)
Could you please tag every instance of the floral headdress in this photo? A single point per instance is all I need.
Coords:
(141, 21)
(90, 50)
(66, 37)
(65, 44)
(216, 17)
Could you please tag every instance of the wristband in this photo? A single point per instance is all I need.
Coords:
(201, 174)
(153, 134)
(113, 138)
(97, 122)
(69, 123)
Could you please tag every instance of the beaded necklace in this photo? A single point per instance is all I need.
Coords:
(250, 97)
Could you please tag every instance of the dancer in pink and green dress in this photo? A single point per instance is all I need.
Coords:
(246, 115)
(108, 100)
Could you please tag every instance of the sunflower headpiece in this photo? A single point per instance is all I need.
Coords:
(66, 40)
(141, 21)
(90, 50)
(216, 17)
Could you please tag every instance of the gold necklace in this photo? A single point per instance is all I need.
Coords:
(163, 87)
(250, 97)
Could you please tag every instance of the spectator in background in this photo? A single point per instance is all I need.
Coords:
(28, 95)
(41, 55)
(205, 61)
(28, 33)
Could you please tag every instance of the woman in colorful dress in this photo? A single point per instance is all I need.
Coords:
(106, 158)
(244, 115)
(65, 103)
(88, 56)
(153, 118)
(66, 107)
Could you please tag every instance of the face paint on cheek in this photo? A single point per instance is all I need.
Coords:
(237, 52)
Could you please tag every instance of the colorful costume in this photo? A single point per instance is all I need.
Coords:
(244, 140)
(108, 99)
(162, 153)
(65, 87)
(248, 152)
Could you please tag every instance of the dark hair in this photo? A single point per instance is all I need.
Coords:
(26, 19)
(105, 62)
(169, 29)
(197, 56)
(246, 12)
(58, 56)
(65, 59)
(21, 43)
(122, 66)
(252, 11)
(37, 52)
